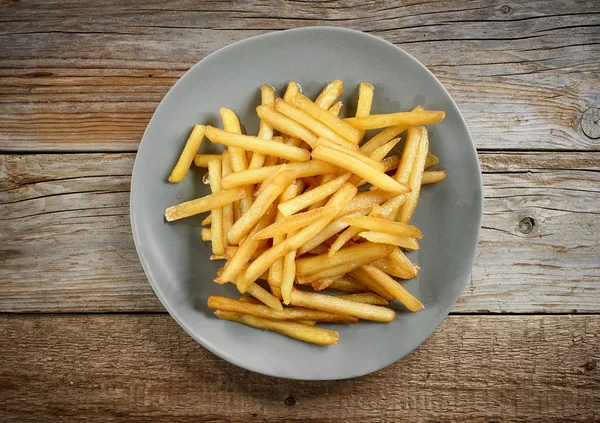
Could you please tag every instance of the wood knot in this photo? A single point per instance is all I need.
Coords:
(590, 365)
(505, 9)
(590, 123)
(290, 401)
(526, 225)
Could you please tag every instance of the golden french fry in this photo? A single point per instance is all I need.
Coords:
(309, 122)
(323, 276)
(285, 125)
(187, 155)
(397, 264)
(203, 204)
(354, 153)
(292, 223)
(319, 249)
(258, 145)
(390, 163)
(433, 177)
(246, 249)
(345, 161)
(265, 132)
(431, 160)
(292, 89)
(366, 280)
(366, 298)
(321, 192)
(393, 287)
(336, 108)
(322, 283)
(289, 274)
(342, 306)
(380, 153)
(256, 176)
(382, 138)
(384, 225)
(414, 118)
(411, 146)
(263, 296)
(365, 99)
(348, 284)
(201, 160)
(245, 223)
(299, 331)
(366, 200)
(387, 239)
(333, 122)
(335, 144)
(207, 220)
(349, 257)
(206, 234)
(216, 227)
(252, 308)
(414, 181)
(258, 266)
(329, 95)
(228, 213)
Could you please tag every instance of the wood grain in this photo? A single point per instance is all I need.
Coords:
(67, 244)
(145, 368)
(84, 77)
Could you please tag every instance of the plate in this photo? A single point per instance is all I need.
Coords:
(176, 260)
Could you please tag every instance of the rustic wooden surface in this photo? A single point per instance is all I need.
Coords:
(79, 81)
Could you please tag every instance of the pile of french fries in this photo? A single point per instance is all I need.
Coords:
(287, 215)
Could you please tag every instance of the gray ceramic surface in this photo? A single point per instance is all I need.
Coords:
(176, 260)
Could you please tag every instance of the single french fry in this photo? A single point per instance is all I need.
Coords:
(246, 249)
(414, 181)
(292, 223)
(387, 239)
(390, 163)
(385, 136)
(323, 179)
(228, 213)
(351, 152)
(292, 89)
(330, 94)
(322, 283)
(380, 153)
(216, 227)
(289, 274)
(251, 307)
(265, 132)
(321, 192)
(263, 296)
(349, 257)
(245, 223)
(431, 160)
(202, 160)
(411, 146)
(394, 288)
(398, 265)
(366, 298)
(258, 266)
(217, 257)
(285, 125)
(312, 124)
(433, 177)
(206, 234)
(296, 330)
(187, 155)
(336, 108)
(425, 117)
(329, 273)
(336, 124)
(203, 204)
(384, 225)
(365, 99)
(366, 280)
(348, 284)
(342, 306)
(268, 147)
(257, 176)
(345, 161)
(207, 220)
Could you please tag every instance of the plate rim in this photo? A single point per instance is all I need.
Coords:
(225, 355)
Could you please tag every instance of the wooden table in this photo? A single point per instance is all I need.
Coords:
(82, 335)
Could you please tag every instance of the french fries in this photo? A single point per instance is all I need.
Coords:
(286, 209)
(187, 155)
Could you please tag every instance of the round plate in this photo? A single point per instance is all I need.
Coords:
(176, 260)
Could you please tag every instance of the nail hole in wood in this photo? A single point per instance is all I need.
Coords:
(290, 401)
(590, 123)
(505, 9)
(526, 225)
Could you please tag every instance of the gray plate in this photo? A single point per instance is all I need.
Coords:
(176, 260)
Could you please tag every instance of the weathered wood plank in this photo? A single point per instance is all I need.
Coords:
(145, 368)
(67, 244)
(81, 77)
